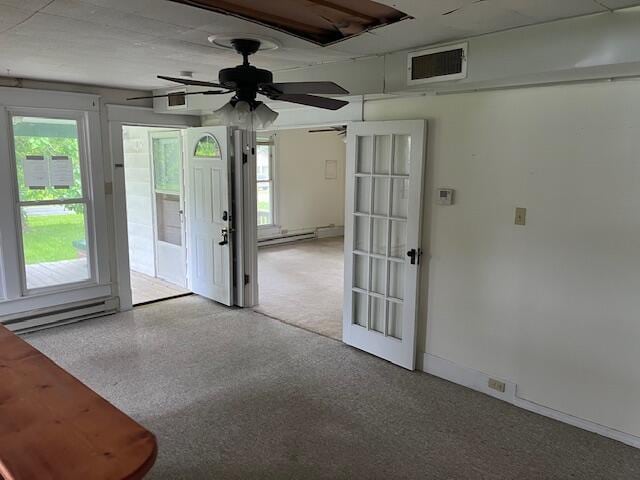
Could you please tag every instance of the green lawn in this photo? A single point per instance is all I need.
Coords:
(50, 238)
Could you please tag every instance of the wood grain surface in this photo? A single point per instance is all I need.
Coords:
(53, 427)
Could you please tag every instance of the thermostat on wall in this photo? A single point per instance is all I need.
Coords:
(445, 196)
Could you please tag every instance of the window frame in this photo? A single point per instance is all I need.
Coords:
(84, 153)
(271, 181)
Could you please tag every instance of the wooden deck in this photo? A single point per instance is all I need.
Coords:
(147, 289)
(49, 274)
(143, 287)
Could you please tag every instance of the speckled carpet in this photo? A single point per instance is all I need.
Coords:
(232, 394)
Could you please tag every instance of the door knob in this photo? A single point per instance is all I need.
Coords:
(414, 255)
(225, 237)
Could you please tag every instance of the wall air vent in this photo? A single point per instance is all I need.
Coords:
(177, 100)
(437, 64)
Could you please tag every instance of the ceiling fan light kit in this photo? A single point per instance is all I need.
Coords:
(246, 116)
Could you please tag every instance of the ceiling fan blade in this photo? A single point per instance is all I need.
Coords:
(323, 130)
(189, 81)
(312, 101)
(326, 88)
(176, 94)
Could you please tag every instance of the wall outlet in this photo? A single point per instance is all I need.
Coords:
(497, 385)
(521, 216)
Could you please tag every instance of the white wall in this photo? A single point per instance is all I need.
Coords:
(306, 199)
(137, 169)
(553, 306)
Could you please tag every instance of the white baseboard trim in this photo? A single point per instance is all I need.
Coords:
(478, 381)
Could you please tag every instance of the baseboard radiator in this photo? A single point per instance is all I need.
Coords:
(309, 234)
(69, 313)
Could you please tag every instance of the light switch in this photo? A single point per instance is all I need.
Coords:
(521, 216)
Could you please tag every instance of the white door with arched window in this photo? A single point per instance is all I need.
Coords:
(208, 207)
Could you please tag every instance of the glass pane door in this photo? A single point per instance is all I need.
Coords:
(166, 149)
(52, 204)
(380, 232)
(385, 165)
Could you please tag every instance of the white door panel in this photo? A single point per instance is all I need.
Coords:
(385, 164)
(209, 214)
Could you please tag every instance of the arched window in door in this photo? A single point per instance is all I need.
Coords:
(207, 147)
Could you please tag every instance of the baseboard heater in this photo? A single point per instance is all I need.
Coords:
(287, 238)
(311, 234)
(69, 313)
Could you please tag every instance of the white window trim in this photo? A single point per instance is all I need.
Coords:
(38, 102)
(272, 228)
(86, 199)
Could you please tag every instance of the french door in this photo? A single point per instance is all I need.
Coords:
(385, 163)
(208, 206)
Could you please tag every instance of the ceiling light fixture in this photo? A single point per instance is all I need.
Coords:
(253, 115)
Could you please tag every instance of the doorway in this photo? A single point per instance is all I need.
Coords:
(300, 186)
(153, 160)
(382, 214)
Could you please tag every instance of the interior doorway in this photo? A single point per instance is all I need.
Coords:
(300, 186)
(154, 186)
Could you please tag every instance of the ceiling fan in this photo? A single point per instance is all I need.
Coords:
(339, 129)
(246, 82)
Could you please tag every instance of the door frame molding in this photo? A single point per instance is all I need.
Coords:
(245, 211)
(119, 116)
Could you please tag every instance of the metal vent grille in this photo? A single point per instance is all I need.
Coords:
(437, 64)
(177, 99)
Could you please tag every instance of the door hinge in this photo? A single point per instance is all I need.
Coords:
(244, 158)
(246, 279)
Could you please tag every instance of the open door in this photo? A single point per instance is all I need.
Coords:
(168, 195)
(385, 163)
(209, 250)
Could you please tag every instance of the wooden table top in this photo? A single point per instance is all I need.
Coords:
(53, 427)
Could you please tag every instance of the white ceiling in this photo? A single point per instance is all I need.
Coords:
(126, 43)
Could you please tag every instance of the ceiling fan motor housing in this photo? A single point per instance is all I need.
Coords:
(245, 79)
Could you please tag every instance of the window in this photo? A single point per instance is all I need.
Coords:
(167, 178)
(207, 147)
(52, 200)
(264, 175)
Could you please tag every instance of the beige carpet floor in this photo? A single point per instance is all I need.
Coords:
(302, 284)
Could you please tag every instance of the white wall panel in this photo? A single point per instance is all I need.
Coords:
(551, 306)
(305, 198)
